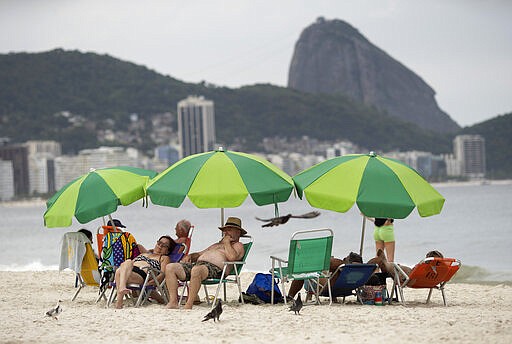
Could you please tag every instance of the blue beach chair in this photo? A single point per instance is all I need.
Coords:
(350, 280)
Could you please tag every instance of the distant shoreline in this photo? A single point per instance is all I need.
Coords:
(474, 183)
(39, 201)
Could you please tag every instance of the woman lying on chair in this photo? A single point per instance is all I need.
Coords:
(132, 271)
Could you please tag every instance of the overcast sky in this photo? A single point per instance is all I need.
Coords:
(461, 48)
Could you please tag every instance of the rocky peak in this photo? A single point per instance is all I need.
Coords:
(331, 56)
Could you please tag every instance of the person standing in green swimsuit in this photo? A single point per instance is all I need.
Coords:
(384, 237)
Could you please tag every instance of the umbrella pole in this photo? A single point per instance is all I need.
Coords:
(221, 217)
(362, 237)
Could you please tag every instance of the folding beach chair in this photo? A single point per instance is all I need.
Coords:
(308, 259)
(350, 280)
(77, 255)
(117, 246)
(188, 241)
(431, 273)
(230, 274)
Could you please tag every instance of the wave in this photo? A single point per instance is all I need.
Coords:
(466, 274)
(33, 266)
(477, 274)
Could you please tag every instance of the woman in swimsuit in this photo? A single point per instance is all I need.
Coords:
(131, 271)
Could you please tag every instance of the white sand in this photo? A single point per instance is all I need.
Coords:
(475, 314)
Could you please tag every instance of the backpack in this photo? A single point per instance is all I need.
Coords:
(261, 286)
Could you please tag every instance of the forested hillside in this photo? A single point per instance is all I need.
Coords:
(102, 92)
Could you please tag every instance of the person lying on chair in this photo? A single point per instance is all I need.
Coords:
(388, 267)
(208, 263)
(131, 271)
(352, 258)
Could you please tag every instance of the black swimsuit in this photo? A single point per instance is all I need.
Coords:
(140, 272)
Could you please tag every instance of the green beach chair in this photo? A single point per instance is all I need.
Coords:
(309, 257)
(231, 276)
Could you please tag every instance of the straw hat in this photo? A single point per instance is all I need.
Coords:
(234, 222)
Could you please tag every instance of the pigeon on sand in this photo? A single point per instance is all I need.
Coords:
(215, 312)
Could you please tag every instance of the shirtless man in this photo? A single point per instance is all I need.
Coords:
(208, 263)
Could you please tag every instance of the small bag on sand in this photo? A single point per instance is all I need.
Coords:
(368, 293)
(261, 286)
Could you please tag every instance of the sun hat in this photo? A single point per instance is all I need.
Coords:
(234, 222)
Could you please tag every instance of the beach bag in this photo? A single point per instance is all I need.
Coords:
(261, 286)
(368, 293)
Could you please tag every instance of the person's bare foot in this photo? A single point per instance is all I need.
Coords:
(172, 305)
(120, 297)
(187, 306)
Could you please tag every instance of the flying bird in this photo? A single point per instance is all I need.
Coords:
(215, 312)
(53, 312)
(296, 305)
(276, 221)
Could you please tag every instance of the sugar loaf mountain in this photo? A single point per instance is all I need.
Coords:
(333, 57)
(341, 87)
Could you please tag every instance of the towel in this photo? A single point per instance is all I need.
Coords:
(118, 247)
(89, 270)
(72, 251)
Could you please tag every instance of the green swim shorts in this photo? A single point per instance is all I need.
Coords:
(384, 233)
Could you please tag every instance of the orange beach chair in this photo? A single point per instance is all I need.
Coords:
(431, 273)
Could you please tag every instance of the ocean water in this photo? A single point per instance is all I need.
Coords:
(474, 226)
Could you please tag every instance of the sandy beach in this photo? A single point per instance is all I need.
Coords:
(475, 313)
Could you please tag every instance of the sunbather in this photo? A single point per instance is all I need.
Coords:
(182, 229)
(208, 263)
(131, 271)
(352, 258)
(386, 266)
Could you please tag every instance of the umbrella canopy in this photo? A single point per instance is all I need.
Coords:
(220, 179)
(96, 194)
(381, 187)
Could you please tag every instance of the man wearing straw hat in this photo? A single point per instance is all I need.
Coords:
(208, 263)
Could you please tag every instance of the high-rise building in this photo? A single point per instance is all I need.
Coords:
(6, 180)
(41, 156)
(68, 168)
(469, 150)
(18, 155)
(196, 125)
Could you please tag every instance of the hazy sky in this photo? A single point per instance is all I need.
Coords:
(461, 48)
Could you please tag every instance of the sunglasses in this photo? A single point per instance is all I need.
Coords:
(162, 244)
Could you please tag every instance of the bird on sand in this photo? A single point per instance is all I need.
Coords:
(215, 312)
(276, 221)
(296, 305)
(53, 312)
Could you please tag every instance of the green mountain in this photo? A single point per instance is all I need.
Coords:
(498, 140)
(104, 91)
(70, 96)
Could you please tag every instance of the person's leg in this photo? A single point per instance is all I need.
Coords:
(379, 245)
(197, 275)
(174, 273)
(390, 251)
(122, 273)
(295, 287)
(123, 276)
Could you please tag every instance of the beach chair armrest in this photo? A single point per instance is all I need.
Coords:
(234, 263)
(399, 272)
(281, 260)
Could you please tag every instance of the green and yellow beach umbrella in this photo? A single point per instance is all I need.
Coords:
(381, 187)
(96, 194)
(220, 179)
